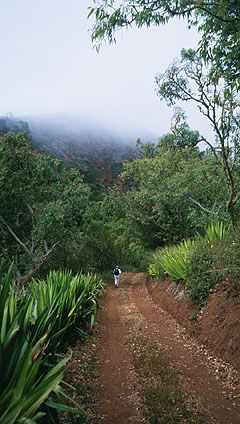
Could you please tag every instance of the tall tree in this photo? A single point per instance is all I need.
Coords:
(217, 20)
(40, 205)
(188, 79)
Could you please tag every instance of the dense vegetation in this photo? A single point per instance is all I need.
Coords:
(174, 209)
(176, 190)
(34, 323)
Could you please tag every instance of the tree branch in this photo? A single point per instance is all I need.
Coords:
(200, 206)
(36, 267)
(23, 246)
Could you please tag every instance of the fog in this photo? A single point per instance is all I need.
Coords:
(49, 66)
(78, 129)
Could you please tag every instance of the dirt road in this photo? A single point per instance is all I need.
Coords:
(128, 312)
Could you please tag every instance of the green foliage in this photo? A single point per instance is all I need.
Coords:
(220, 38)
(145, 150)
(160, 206)
(66, 298)
(109, 233)
(98, 249)
(215, 231)
(226, 260)
(218, 23)
(214, 258)
(174, 261)
(188, 79)
(181, 136)
(193, 262)
(40, 204)
(200, 280)
(33, 326)
(22, 390)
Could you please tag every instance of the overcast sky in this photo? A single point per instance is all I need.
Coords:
(48, 65)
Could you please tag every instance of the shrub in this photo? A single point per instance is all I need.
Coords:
(200, 280)
(198, 263)
(173, 261)
(226, 259)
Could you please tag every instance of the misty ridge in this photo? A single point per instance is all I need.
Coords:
(79, 142)
(69, 134)
(75, 139)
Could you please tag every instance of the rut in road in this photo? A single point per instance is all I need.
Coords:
(131, 309)
(118, 402)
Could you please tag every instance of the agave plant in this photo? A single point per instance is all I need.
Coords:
(22, 388)
(29, 327)
(63, 298)
(174, 261)
(217, 231)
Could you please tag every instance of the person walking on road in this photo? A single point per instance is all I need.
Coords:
(116, 273)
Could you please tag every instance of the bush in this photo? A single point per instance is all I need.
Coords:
(98, 251)
(200, 280)
(226, 259)
(173, 261)
(201, 262)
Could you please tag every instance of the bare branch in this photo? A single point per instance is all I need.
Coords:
(200, 206)
(29, 207)
(214, 205)
(36, 267)
(23, 246)
(45, 246)
(17, 220)
(32, 247)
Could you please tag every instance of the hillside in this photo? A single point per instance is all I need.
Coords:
(79, 142)
(98, 152)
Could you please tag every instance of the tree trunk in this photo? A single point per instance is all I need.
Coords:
(230, 209)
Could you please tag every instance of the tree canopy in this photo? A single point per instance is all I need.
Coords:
(218, 22)
(41, 207)
(188, 79)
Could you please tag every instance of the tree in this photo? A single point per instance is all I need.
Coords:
(41, 206)
(181, 135)
(159, 207)
(217, 20)
(188, 79)
(98, 249)
(145, 150)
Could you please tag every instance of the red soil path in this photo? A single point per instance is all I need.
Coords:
(215, 383)
(119, 403)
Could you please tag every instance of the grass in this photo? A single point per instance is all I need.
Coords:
(161, 389)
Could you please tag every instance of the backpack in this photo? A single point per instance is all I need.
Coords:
(116, 271)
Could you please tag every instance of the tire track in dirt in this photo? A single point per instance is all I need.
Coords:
(118, 403)
(199, 378)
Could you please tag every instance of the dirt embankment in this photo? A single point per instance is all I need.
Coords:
(216, 326)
